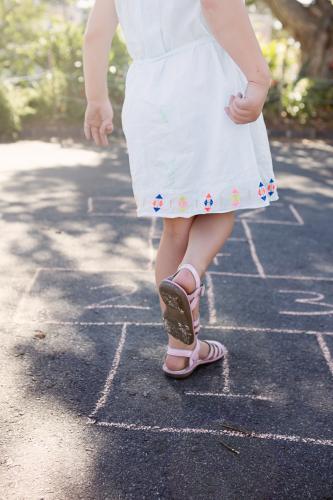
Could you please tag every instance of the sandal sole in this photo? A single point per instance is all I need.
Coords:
(177, 315)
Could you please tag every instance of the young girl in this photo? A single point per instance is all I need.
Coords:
(196, 139)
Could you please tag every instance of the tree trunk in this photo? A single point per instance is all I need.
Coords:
(313, 27)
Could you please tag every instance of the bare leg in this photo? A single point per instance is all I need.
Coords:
(206, 235)
(172, 247)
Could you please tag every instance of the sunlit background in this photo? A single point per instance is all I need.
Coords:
(41, 74)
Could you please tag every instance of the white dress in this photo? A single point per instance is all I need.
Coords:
(186, 156)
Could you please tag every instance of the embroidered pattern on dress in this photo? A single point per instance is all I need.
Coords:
(182, 203)
(208, 202)
(235, 197)
(262, 191)
(271, 187)
(157, 202)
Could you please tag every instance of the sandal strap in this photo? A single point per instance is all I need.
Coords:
(193, 297)
(192, 354)
(199, 285)
(179, 352)
(196, 321)
(193, 271)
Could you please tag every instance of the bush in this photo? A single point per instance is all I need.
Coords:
(43, 61)
(309, 100)
(10, 123)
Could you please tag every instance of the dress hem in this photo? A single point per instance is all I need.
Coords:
(170, 215)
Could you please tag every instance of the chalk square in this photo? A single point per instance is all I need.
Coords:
(300, 401)
(266, 303)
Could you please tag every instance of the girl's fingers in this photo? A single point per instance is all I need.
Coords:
(231, 111)
(95, 134)
(105, 128)
(242, 112)
(236, 116)
(236, 113)
(103, 137)
(231, 116)
(87, 132)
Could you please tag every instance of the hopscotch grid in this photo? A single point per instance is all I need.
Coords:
(92, 419)
(101, 402)
(107, 386)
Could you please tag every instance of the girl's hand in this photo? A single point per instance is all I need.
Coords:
(98, 121)
(246, 109)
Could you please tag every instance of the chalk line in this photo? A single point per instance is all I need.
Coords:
(274, 276)
(112, 373)
(26, 292)
(213, 432)
(253, 250)
(296, 215)
(218, 273)
(117, 306)
(248, 329)
(326, 352)
(151, 243)
(229, 395)
(210, 300)
(90, 205)
(226, 373)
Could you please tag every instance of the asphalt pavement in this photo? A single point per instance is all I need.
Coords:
(86, 411)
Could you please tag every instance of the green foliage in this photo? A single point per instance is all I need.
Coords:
(306, 102)
(292, 101)
(42, 74)
(10, 123)
(41, 61)
(282, 55)
(309, 100)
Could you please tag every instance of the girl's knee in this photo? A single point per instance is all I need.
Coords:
(177, 228)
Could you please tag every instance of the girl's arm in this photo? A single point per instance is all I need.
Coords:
(230, 25)
(98, 36)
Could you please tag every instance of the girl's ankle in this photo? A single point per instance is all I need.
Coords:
(177, 344)
(186, 279)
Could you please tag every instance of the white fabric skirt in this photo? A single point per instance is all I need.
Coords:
(186, 156)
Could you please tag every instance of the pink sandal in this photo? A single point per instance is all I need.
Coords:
(178, 315)
(216, 352)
